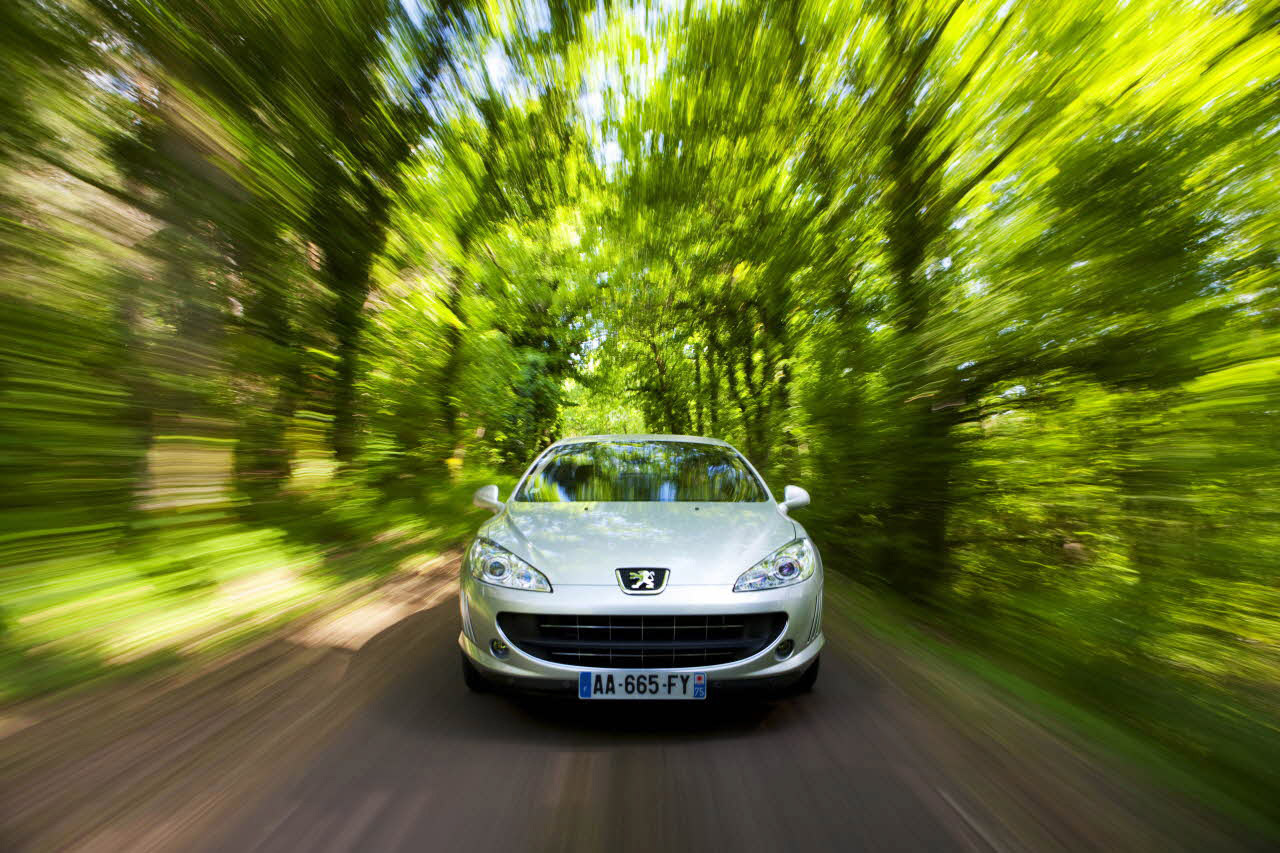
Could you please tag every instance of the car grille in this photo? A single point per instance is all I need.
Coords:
(637, 642)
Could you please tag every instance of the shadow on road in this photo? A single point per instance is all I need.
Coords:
(418, 657)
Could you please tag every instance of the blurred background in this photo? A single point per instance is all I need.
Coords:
(282, 281)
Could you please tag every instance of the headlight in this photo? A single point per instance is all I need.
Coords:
(490, 563)
(789, 564)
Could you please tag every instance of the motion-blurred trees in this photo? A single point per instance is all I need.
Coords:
(996, 281)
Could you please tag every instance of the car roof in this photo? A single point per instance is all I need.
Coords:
(691, 439)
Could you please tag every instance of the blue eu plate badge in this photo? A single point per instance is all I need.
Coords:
(641, 684)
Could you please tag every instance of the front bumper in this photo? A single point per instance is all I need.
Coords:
(481, 603)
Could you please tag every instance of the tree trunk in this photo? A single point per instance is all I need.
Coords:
(713, 381)
(914, 556)
(263, 457)
(349, 274)
(671, 409)
(139, 412)
(923, 456)
(697, 390)
(451, 372)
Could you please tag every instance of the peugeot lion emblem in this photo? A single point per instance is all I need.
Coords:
(642, 581)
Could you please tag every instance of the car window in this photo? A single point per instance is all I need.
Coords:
(641, 471)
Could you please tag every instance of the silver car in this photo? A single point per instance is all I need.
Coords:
(641, 567)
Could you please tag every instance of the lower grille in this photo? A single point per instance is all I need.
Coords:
(639, 642)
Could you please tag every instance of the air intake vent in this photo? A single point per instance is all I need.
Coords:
(816, 626)
(642, 642)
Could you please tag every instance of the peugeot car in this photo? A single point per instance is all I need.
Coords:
(641, 567)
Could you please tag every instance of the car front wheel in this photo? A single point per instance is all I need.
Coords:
(810, 677)
(472, 677)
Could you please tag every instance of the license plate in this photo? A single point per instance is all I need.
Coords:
(658, 684)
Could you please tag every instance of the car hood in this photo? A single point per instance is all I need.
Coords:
(583, 543)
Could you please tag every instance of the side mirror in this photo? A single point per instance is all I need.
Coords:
(793, 497)
(486, 497)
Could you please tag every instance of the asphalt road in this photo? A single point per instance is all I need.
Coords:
(856, 765)
(431, 766)
(316, 744)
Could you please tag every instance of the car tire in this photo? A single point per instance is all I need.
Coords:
(471, 676)
(810, 677)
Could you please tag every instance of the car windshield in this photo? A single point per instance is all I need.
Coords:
(641, 471)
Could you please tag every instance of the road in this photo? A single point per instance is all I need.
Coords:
(357, 735)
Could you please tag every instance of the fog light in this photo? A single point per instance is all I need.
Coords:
(499, 648)
(785, 648)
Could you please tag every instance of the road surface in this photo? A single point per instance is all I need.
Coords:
(356, 734)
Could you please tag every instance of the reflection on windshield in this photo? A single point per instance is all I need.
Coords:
(641, 471)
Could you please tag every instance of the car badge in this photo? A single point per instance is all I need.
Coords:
(642, 581)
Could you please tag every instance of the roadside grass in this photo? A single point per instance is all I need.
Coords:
(1248, 799)
(182, 583)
